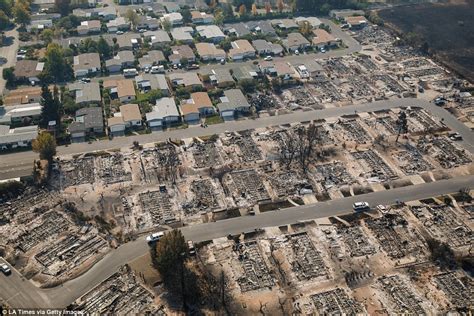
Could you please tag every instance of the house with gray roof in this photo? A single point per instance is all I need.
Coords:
(164, 113)
(86, 64)
(24, 114)
(233, 103)
(210, 33)
(221, 78)
(157, 38)
(87, 121)
(17, 137)
(183, 34)
(118, 24)
(86, 93)
(264, 47)
(147, 82)
(152, 58)
(128, 41)
(124, 59)
(296, 41)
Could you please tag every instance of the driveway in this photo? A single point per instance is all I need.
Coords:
(9, 52)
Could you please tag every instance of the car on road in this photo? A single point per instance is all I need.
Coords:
(154, 237)
(268, 58)
(191, 248)
(322, 50)
(5, 269)
(222, 61)
(455, 136)
(119, 32)
(360, 206)
(297, 52)
(86, 80)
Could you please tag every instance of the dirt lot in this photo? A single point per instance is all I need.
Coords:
(447, 28)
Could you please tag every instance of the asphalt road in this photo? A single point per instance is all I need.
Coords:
(18, 292)
(21, 163)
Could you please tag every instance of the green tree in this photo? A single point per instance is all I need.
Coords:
(6, 6)
(219, 17)
(246, 3)
(9, 76)
(56, 66)
(228, 11)
(63, 7)
(4, 21)
(168, 257)
(21, 13)
(132, 17)
(166, 25)
(47, 36)
(103, 48)
(45, 145)
(51, 107)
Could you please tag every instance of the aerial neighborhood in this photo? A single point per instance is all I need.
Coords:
(236, 157)
(100, 57)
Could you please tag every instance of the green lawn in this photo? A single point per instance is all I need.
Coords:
(216, 119)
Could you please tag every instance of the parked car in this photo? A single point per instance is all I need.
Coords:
(222, 61)
(268, 58)
(360, 206)
(455, 136)
(191, 248)
(297, 52)
(154, 237)
(5, 269)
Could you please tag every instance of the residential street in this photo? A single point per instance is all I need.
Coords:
(21, 293)
(17, 164)
(9, 52)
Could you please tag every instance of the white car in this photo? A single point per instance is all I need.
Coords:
(382, 208)
(360, 206)
(297, 52)
(154, 237)
(5, 269)
(119, 32)
(268, 58)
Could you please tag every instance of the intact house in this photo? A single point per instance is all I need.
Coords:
(285, 24)
(211, 33)
(86, 93)
(89, 27)
(23, 96)
(242, 29)
(147, 23)
(233, 103)
(221, 78)
(209, 52)
(313, 21)
(28, 70)
(124, 59)
(147, 82)
(118, 24)
(308, 68)
(131, 115)
(164, 113)
(86, 64)
(323, 39)
(17, 137)
(295, 41)
(183, 34)
(116, 125)
(188, 80)
(128, 41)
(122, 89)
(264, 47)
(152, 58)
(201, 17)
(284, 70)
(175, 18)
(241, 49)
(20, 114)
(356, 22)
(181, 53)
(87, 121)
(157, 38)
(245, 72)
(200, 105)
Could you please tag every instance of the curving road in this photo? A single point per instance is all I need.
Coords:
(18, 292)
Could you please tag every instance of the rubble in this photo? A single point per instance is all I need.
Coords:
(401, 295)
(336, 302)
(374, 165)
(158, 204)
